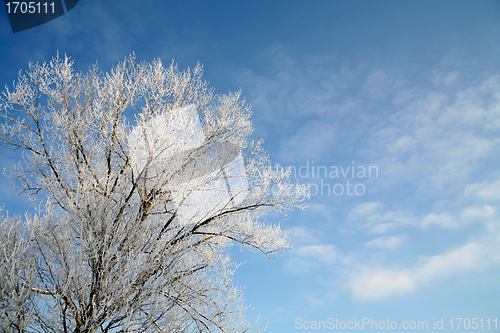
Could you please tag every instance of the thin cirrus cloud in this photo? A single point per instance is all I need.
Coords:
(387, 243)
(443, 136)
(376, 283)
(484, 190)
(371, 282)
(312, 142)
(435, 135)
(370, 217)
(309, 253)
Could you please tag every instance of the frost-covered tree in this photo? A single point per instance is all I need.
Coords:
(143, 178)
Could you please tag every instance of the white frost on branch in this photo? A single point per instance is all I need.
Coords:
(160, 144)
(135, 220)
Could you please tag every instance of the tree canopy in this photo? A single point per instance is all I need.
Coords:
(143, 178)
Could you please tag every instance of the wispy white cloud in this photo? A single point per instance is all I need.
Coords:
(481, 213)
(311, 142)
(292, 90)
(309, 252)
(439, 140)
(443, 220)
(434, 134)
(434, 142)
(484, 190)
(477, 213)
(323, 212)
(302, 100)
(368, 283)
(303, 235)
(365, 209)
(381, 84)
(315, 301)
(379, 283)
(404, 144)
(325, 253)
(371, 281)
(445, 78)
(387, 243)
(369, 217)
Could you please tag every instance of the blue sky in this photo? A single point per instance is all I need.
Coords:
(408, 88)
